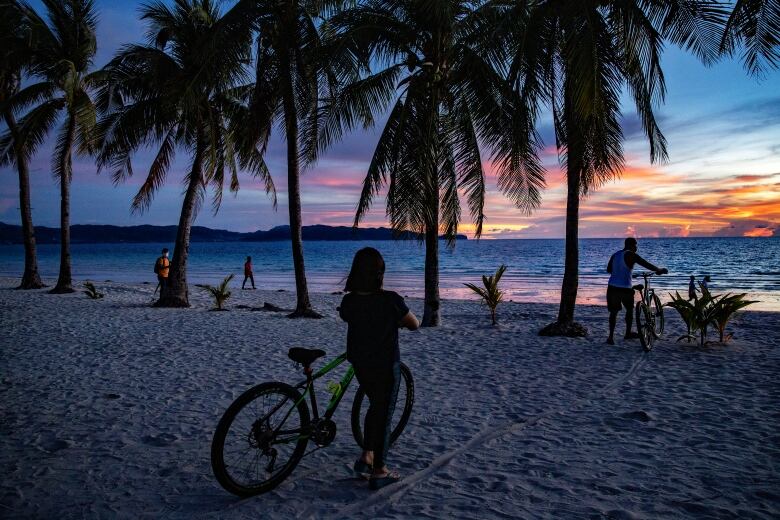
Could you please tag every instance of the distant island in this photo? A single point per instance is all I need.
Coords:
(99, 234)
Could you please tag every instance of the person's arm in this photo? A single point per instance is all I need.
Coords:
(409, 321)
(647, 265)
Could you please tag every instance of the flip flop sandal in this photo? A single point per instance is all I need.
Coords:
(376, 482)
(362, 469)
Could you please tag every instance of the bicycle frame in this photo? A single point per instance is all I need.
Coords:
(336, 396)
(308, 384)
(647, 292)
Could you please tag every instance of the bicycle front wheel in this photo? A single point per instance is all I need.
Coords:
(645, 326)
(403, 408)
(658, 315)
(260, 439)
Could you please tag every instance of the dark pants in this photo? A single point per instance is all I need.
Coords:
(381, 387)
(249, 276)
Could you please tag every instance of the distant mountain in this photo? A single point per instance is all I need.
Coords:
(97, 234)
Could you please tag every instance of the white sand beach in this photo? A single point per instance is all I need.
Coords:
(107, 409)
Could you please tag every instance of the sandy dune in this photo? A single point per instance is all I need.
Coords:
(107, 409)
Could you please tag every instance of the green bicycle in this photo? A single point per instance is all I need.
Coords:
(264, 433)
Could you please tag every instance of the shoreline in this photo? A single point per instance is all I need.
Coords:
(589, 296)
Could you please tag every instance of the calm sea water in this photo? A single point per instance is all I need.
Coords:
(535, 267)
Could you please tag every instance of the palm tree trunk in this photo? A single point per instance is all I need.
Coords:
(303, 306)
(65, 281)
(431, 316)
(565, 324)
(571, 264)
(176, 293)
(31, 279)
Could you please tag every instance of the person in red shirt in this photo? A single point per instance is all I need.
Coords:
(248, 272)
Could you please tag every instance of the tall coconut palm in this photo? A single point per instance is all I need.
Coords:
(755, 25)
(579, 56)
(61, 80)
(442, 72)
(182, 90)
(15, 57)
(291, 74)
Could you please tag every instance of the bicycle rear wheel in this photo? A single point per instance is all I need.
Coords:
(403, 408)
(260, 439)
(658, 315)
(645, 326)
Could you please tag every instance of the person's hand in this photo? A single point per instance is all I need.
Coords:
(663, 270)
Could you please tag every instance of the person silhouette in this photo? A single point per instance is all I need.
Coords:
(373, 317)
(620, 288)
(692, 288)
(248, 275)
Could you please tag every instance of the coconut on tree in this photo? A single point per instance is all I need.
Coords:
(182, 91)
(439, 67)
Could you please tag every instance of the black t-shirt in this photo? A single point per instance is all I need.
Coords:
(372, 335)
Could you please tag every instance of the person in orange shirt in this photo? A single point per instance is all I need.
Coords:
(248, 272)
(161, 268)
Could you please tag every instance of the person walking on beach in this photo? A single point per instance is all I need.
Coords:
(705, 284)
(374, 316)
(692, 288)
(620, 288)
(161, 267)
(248, 272)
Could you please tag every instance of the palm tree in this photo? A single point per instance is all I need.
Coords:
(64, 48)
(578, 56)
(442, 72)
(291, 75)
(755, 24)
(182, 90)
(15, 57)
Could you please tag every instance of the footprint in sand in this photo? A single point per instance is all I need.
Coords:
(54, 445)
(164, 439)
(638, 415)
(112, 396)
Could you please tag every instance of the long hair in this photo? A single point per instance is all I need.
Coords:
(368, 271)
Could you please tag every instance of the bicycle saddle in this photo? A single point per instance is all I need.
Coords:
(305, 356)
(639, 287)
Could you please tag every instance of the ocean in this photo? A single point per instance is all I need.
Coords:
(535, 267)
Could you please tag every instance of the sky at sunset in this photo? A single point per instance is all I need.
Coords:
(722, 177)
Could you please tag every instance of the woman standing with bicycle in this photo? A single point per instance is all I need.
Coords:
(373, 316)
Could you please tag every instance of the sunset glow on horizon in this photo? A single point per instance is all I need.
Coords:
(722, 177)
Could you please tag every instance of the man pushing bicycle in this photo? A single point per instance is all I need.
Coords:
(620, 288)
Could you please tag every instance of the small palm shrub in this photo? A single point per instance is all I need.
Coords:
(91, 291)
(220, 293)
(725, 308)
(707, 310)
(491, 295)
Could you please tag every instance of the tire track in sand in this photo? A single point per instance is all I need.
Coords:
(391, 493)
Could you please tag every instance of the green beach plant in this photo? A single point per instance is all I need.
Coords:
(491, 295)
(92, 292)
(220, 292)
(705, 311)
(725, 308)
